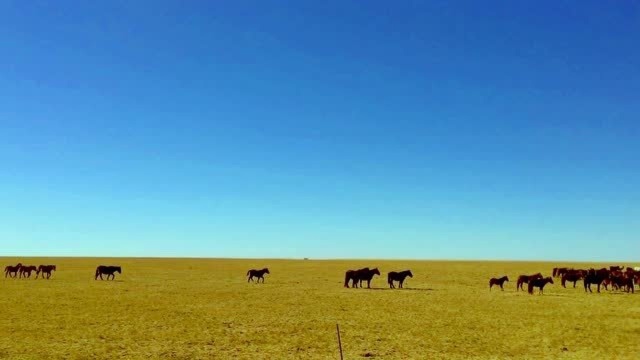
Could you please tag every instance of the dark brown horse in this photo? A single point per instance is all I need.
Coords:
(399, 277)
(257, 274)
(45, 270)
(595, 277)
(616, 268)
(358, 276)
(12, 271)
(622, 282)
(110, 271)
(524, 279)
(25, 271)
(558, 272)
(572, 276)
(539, 283)
(499, 282)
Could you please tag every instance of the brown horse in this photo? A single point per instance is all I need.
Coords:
(45, 270)
(539, 283)
(360, 275)
(12, 271)
(110, 271)
(498, 282)
(558, 272)
(399, 277)
(596, 277)
(572, 276)
(257, 274)
(25, 271)
(616, 268)
(622, 282)
(524, 279)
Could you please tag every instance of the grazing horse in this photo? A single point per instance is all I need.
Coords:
(596, 277)
(45, 270)
(110, 271)
(524, 279)
(572, 276)
(258, 274)
(25, 271)
(399, 277)
(498, 282)
(539, 283)
(12, 271)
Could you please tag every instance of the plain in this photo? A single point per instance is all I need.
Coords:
(204, 308)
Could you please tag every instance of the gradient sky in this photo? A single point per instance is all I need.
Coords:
(333, 129)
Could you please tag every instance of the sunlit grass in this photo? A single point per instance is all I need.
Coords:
(189, 309)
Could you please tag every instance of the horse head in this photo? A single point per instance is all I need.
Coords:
(409, 273)
(549, 280)
(266, 271)
(54, 268)
(375, 271)
(119, 269)
(506, 278)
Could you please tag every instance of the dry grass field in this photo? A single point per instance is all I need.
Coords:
(204, 309)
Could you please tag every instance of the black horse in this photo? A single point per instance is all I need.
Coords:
(45, 270)
(12, 271)
(258, 274)
(399, 277)
(596, 277)
(108, 270)
(358, 276)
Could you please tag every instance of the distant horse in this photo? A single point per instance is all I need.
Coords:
(572, 276)
(12, 271)
(258, 274)
(498, 282)
(45, 270)
(108, 270)
(616, 268)
(358, 276)
(623, 282)
(25, 271)
(595, 277)
(558, 272)
(539, 283)
(524, 279)
(351, 276)
(399, 277)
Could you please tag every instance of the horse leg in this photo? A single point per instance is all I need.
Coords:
(401, 284)
(501, 288)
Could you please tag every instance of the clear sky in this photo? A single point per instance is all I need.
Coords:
(332, 129)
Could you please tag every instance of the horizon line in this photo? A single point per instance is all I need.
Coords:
(320, 258)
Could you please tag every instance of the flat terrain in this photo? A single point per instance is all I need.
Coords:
(201, 309)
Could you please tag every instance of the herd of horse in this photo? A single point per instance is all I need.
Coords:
(616, 277)
(613, 278)
(357, 277)
(24, 271)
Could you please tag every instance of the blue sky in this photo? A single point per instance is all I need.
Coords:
(326, 129)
